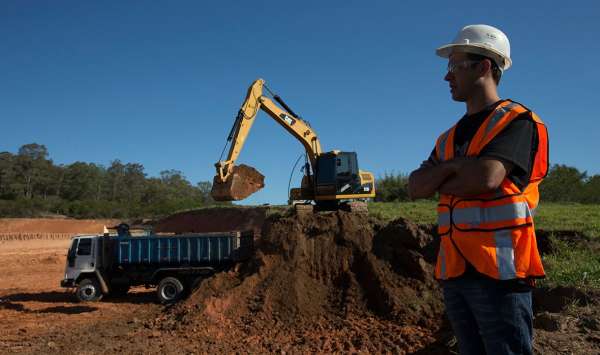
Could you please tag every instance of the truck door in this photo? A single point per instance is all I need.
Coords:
(84, 256)
(80, 258)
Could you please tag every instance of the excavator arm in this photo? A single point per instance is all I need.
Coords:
(237, 182)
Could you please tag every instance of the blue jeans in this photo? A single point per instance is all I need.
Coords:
(489, 316)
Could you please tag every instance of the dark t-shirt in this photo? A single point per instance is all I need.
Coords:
(516, 144)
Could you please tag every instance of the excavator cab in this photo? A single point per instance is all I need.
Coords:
(336, 173)
(337, 177)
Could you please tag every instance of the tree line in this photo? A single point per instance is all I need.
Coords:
(31, 185)
(562, 184)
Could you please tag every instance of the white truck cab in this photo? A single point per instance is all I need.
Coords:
(82, 268)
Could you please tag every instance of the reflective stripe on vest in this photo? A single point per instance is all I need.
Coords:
(498, 114)
(477, 216)
(505, 255)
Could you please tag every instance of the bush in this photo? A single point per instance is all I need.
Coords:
(392, 187)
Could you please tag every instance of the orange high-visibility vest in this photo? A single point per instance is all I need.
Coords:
(494, 232)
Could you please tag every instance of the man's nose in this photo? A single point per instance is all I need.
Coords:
(448, 76)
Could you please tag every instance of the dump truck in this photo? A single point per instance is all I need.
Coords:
(331, 179)
(100, 265)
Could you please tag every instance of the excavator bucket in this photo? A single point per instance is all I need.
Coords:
(243, 182)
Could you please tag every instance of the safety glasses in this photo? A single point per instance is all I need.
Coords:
(453, 67)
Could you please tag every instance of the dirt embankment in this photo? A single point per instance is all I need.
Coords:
(222, 219)
(50, 228)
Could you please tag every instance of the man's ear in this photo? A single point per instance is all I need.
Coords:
(485, 67)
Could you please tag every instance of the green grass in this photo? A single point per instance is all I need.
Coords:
(569, 264)
(421, 212)
(584, 219)
(569, 217)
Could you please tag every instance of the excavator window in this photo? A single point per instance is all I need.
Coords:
(326, 170)
(346, 165)
(340, 170)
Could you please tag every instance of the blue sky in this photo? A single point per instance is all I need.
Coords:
(159, 83)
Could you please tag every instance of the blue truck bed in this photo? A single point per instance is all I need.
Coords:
(186, 249)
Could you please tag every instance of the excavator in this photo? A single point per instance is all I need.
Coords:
(331, 180)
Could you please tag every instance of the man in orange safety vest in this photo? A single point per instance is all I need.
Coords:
(486, 169)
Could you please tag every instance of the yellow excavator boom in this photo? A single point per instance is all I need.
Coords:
(237, 182)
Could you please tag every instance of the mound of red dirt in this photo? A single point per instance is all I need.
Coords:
(208, 220)
(327, 282)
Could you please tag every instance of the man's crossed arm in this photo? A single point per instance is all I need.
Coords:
(461, 177)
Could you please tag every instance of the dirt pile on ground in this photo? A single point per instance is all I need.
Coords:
(332, 281)
(566, 320)
(220, 219)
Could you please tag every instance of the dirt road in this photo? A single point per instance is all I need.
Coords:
(34, 310)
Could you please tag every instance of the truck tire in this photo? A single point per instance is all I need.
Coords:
(169, 290)
(88, 290)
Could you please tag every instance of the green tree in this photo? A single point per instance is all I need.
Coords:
(115, 180)
(591, 190)
(8, 177)
(392, 187)
(82, 181)
(134, 180)
(31, 164)
(563, 184)
(177, 185)
(204, 188)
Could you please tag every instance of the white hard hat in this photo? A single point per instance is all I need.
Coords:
(483, 40)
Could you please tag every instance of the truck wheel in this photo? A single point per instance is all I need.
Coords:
(170, 290)
(88, 290)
